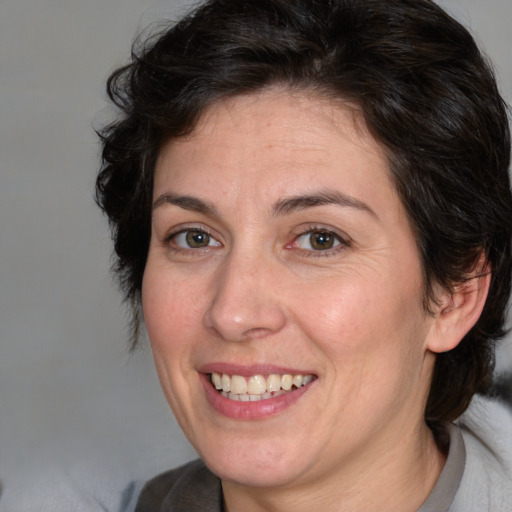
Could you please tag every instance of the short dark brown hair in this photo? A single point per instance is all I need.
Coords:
(427, 95)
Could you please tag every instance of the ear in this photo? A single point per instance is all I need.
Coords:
(459, 309)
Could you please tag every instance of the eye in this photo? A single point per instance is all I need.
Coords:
(194, 239)
(318, 241)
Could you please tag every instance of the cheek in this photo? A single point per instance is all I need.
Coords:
(171, 319)
(171, 311)
(364, 324)
(342, 314)
(374, 345)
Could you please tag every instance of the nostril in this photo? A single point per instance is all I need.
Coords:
(243, 320)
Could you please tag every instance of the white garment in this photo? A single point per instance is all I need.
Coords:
(486, 484)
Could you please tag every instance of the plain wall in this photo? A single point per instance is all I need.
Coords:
(69, 391)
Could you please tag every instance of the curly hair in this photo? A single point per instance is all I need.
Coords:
(427, 95)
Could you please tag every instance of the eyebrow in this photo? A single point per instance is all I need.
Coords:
(187, 203)
(282, 207)
(325, 197)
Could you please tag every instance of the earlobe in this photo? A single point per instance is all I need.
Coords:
(458, 311)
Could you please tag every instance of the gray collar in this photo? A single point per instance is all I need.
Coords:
(443, 493)
(193, 488)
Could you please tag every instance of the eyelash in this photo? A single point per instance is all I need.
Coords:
(342, 241)
(168, 240)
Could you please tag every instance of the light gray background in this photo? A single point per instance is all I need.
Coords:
(69, 392)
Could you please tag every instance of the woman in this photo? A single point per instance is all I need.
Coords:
(311, 208)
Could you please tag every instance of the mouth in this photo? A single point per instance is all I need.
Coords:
(257, 387)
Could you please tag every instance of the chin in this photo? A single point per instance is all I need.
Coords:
(256, 466)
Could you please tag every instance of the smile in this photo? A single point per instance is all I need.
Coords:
(257, 387)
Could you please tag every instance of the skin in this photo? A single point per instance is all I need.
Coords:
(259, 294)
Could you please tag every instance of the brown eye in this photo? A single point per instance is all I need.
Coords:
(197, 239)
(318, 241)
(194, 239)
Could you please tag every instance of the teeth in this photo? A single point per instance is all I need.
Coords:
(226, 382)
(273, 383)
(297, 381)
(287, 382)
(252, 398)
(238, 385)
(257, 387)
(217, 380)
(307, 379)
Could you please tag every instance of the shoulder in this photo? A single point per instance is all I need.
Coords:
(486, 485)
(189, 488)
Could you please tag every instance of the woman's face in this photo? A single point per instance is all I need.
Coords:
(281, 255)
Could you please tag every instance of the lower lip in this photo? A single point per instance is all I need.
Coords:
(250, 410)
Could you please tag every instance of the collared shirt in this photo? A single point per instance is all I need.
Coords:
(193, 488)
(477, 476)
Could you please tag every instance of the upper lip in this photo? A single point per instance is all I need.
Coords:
(250, 370)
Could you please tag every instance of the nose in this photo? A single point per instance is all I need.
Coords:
(246, 301)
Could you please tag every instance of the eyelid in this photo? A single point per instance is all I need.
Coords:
(183, 228)
(304, 237)
(344, 240)
(186, 227)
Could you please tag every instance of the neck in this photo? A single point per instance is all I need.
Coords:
(398, 476)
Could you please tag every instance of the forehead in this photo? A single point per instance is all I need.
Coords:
(279, 141)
